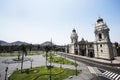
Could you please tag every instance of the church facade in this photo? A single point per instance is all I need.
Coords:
(102, 47)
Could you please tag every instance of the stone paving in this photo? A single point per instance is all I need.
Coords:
(38, 60)
(85, 73)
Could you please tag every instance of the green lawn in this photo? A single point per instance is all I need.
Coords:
(59, 60)
(42, 73)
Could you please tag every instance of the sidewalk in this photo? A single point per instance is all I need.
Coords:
(115, 62)
(84, 74)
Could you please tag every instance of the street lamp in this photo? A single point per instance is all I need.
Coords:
(6, 73)
(46, 58)
(50, 67)
(50, 61)
(75, 66)
(22, 62)
(61, 61)
(47, 48)
(31, 60)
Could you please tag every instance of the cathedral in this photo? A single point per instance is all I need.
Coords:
(102, 47)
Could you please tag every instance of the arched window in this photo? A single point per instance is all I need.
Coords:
(100, 45)
(100, 36)
(101, 50)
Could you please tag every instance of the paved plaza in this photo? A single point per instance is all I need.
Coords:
(39, 60)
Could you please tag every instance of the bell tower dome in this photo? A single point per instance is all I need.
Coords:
(101, 31)
(74, 36)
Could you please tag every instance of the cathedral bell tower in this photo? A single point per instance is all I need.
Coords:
(73, 47)
(74, 36)
(103, 46)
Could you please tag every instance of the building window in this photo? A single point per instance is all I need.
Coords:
(90, 45)
(101, 50)
(100, 45)
(100, 36)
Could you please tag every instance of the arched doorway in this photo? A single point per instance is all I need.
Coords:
(83, 52)
(76, 52)
(91, 53)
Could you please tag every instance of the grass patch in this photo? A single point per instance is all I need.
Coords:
(61, 60)
(58, 60)
(48, 55)
(8, 54)
(42, 73)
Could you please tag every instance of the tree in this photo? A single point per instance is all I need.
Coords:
(47, 49)
(116, 44)
(30, 48)
(24, 52)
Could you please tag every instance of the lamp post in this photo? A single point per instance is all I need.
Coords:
(31, 62)
(61, 61)
(47, 48)
(50, 61)
(22, 62)
(6, 73)
(75, 66)
(46, 58)
(50, 67)
(111, 60)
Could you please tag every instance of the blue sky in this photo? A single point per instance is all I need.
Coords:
(36, 21)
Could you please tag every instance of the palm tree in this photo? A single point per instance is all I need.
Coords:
(24, 52)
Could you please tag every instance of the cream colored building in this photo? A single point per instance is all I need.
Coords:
(100, 48)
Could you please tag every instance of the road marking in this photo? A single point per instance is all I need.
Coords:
(105, 72)
(109, 74)
(97, 71)
(112, 75)
(91, 70)
(117, 77)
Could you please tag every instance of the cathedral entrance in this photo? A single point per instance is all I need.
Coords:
(76, 52)
(91, 53)
(82, 52)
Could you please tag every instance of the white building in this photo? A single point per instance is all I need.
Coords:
(100, 48)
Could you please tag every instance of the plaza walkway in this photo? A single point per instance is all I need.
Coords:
(39, 60)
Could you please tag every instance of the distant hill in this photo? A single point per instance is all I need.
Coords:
(4, 43)
(19, 43)
(47, 43)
